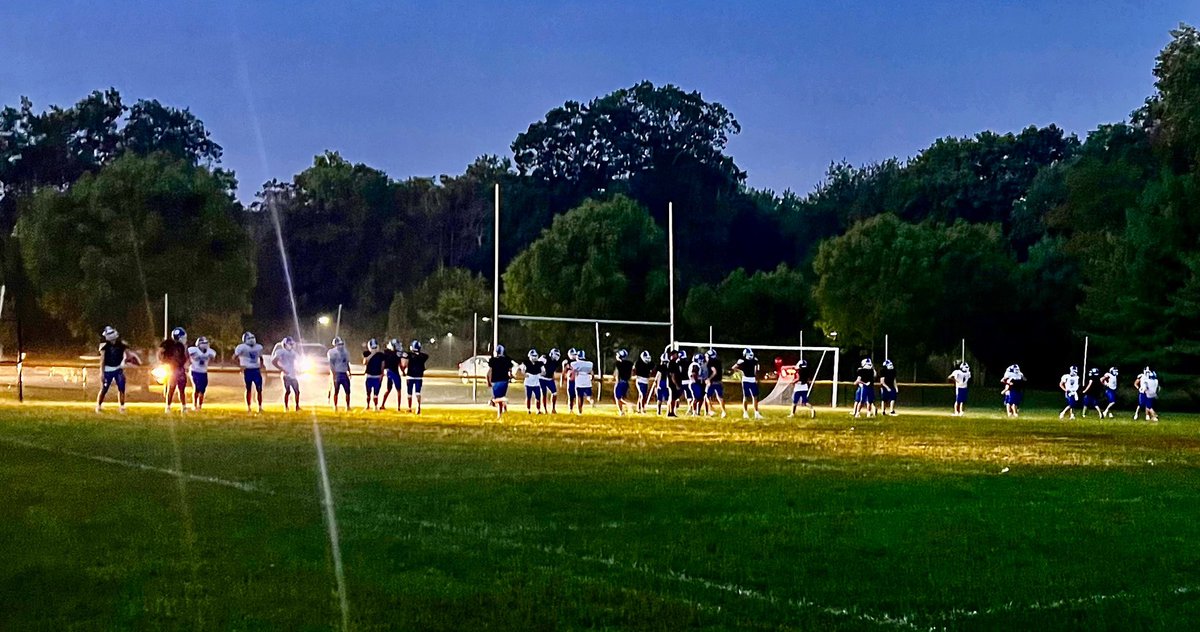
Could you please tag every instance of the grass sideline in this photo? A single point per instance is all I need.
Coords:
(452, 521)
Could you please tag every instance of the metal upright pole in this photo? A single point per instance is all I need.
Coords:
(837, 357)
(337, 328)
(671, 264)
(166, 327)
(496, 270)
(885, 347)
(1085, 354)
(599, 370)
(474, 352)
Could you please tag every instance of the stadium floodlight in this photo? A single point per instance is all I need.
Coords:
(324, 320)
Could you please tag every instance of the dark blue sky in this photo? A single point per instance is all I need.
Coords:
(422, 89)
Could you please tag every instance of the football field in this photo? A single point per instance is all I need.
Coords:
(449, 521)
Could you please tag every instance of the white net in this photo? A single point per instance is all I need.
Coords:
(779, 366)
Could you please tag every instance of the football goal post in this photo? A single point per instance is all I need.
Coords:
(598, 359)
(595, 322)
(825, 362)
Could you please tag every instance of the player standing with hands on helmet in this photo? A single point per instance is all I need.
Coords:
(748, 366)
(114, 353)
(961, 378)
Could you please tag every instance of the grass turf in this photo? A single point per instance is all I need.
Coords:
(452, 521)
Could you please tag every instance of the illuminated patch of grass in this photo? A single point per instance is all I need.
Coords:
(456, 521)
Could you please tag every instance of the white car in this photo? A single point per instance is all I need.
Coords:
(476, 366)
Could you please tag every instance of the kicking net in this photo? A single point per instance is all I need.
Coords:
(779, 365)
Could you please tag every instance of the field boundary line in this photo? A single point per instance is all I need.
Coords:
(199, 478)
(881, 619)
(1038, 606)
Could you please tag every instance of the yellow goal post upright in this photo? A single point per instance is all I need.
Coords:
(832, 354)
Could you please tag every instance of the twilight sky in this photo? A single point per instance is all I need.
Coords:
(419, 89)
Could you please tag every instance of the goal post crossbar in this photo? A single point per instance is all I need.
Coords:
(680, 343)
(836, 352)
(595, 322)
(589, 321)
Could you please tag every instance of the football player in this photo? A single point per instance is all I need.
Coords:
(114, 354)
(200, 355)
(962, 379)
(339, 371)
(414, 368)
(250, 357)
(283, 358)
(748, 366)
(173, 353)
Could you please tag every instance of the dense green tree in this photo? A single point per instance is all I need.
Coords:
(601, 260)
(105, 249)
(763, 307)
(333, 220)
(925, 285)
(625, 133)
(445, 302)
(1173, 113)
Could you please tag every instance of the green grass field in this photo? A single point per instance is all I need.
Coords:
(454, 521)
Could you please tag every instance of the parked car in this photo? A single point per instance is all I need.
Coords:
(475, 367)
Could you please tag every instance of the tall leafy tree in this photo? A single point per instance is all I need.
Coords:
(444, 302)
(925, 285)
(603, 259)
(763, 307)
(105, 249)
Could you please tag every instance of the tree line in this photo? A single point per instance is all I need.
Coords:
(1020, 242)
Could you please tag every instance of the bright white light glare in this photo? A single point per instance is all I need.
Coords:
(160, 373)
(304, 365)
(323, 321)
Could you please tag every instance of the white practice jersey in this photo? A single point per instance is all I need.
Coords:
(1071, 383)
(1148, 386)
(287, 360)
(1109, 381)
(200, 359)
(248, 356)
(339, 360)
(583, 373)
(961, 378)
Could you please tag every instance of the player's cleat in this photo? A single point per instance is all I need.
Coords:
(168, 410)
(122, 409)
(97, 409)
(745, 415)
(757, 415)
(723, 415)
(791, 415)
